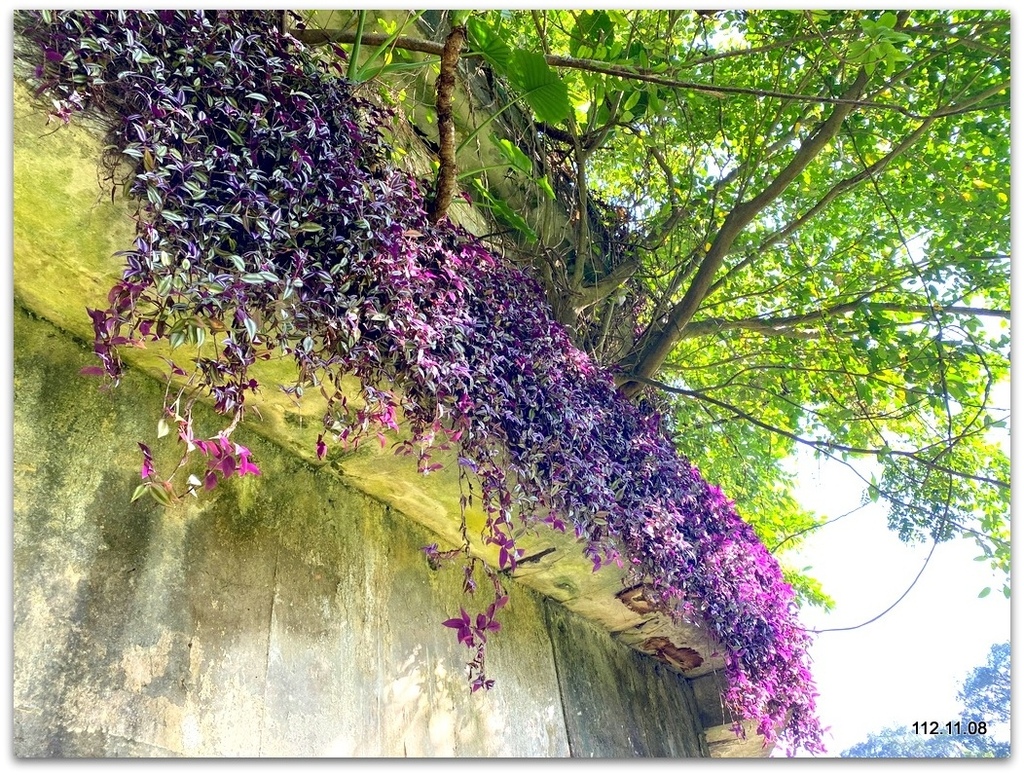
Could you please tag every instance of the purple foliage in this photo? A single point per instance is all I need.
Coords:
(270, 214)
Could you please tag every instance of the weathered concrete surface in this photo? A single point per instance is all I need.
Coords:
(284, 615)
(723, 742)
(619, 703)
(718, 723)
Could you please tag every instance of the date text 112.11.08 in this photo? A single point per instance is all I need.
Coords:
(950, 728)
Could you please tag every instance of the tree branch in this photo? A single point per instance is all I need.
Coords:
(603, 288)
(582, 217)
(655, 238)
(819, 445)
(322, 37)
(833, 193)
(784, 326)
(447, 172)
(661, 345)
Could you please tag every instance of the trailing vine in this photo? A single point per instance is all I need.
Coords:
(271, 224)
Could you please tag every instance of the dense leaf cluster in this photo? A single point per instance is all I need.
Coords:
(271, 223)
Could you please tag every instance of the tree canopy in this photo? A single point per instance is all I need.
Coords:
(985, 693)
(787, 229)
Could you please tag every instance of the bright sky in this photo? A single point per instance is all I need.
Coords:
(906, 666)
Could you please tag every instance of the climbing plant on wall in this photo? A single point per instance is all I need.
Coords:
(272, 224)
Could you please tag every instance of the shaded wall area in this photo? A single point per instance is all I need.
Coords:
(283, 615)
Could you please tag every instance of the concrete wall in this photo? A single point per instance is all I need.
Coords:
(287, 615)
(284, 615)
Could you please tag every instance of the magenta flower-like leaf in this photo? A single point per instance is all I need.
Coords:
(464, 628)
(225, 464)
(147, 462)
(245, 465)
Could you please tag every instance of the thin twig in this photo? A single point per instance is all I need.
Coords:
(324, 36)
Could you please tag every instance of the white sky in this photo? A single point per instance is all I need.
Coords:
(906, 666)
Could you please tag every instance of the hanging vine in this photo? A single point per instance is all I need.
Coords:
(271, 224)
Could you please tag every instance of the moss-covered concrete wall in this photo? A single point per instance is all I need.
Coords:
(284, 615)
(280, 615)
(291, 614)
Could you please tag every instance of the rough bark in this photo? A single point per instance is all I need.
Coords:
(447, 171)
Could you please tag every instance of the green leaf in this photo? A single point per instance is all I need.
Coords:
(593, 28)
(887, 19)
(515, 157)
(250, 328)
(873, 492)
(514, 219)
(158, 493)
(857, 50)
(486, 41)
(541, 87)
(545, 185)
(985, 592)
(139, 492)
(162, 428)
(503, 212)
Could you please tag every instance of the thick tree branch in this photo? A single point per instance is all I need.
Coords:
(314, 37)
(582, 217)
(589, 295)
(661, 344)
(447, 172)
